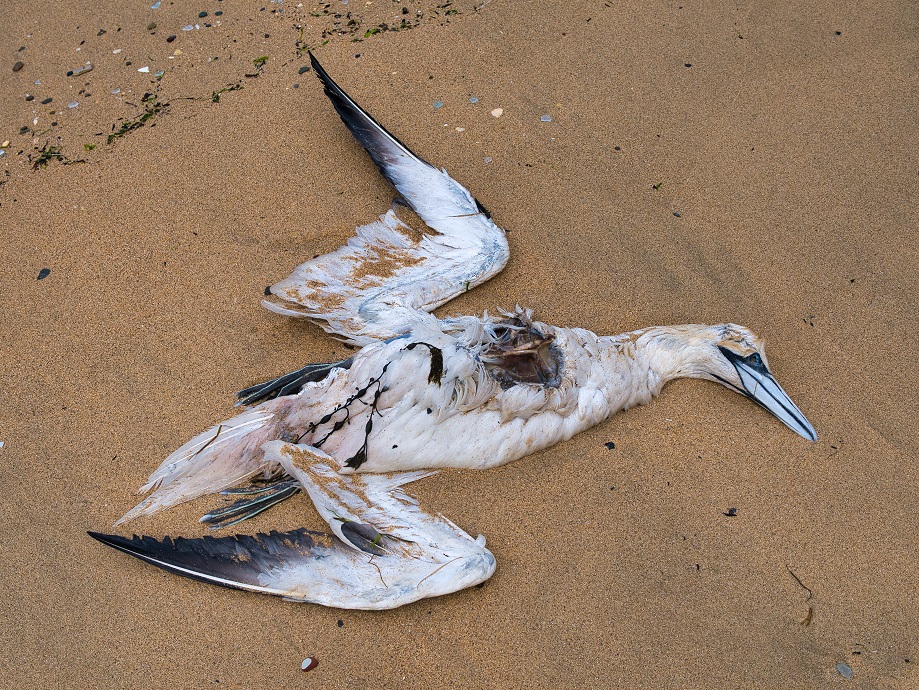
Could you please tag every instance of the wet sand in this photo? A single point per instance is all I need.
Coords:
(702, 164)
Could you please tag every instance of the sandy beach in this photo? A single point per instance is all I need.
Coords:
(702, 163)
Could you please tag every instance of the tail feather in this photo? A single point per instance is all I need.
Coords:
(219, 458)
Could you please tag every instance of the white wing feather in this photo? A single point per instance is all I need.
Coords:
(384, 280)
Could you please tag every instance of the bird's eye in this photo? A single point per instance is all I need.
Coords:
(754, 360)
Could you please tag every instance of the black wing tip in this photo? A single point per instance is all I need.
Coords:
(363, 126)
(113, 540)
(234, 562)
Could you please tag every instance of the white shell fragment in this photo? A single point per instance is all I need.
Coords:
(497, 112)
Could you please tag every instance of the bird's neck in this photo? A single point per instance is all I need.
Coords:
(649, 358)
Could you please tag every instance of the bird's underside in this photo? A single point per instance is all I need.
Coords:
(420, 393)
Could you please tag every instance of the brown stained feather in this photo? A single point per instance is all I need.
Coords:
(385, 263)
(522, 354)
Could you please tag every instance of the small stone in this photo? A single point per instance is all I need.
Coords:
(677, 214)
(30, 97)
(23, 129)
(47, 100)
(488, 159)
(80, 70)
(170, 39)
(202, 15)
(18, 65)
(545, 118)
(304, 69)
(438, 104)
(473, 100)
(341, 623)
(143, 69)
(497, 112)
(610, 445)
(732, 512)
(187, 27)
(5, 144)
(43, 273)
(72, 104)
(116, 51)
(218, 13)
(151, 26)
(309, 663)
(844, 670)
(687, 65)
(460, 129)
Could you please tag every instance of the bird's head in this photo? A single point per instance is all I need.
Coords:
(734, 357)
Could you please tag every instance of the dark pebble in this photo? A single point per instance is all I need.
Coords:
(151, 26)
(44, 273)
(268, 290)
(677, 215)
(170, 39)
(304, 69)
(202, 15)
(218, 13)
(609, 445)
(732, 512)
(30, 97)
(101, 32)
(341, 623)
(296, 86)
(23, 129)
(18, 65)
(617, 148)
(838, 33)
(687, 64)
(47, 100)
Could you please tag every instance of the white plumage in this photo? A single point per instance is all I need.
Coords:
(421, 393)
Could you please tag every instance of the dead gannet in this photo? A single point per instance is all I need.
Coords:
(422, 392)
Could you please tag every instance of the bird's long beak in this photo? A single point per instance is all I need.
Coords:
(760, 386)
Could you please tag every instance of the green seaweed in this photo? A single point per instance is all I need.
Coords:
(215, 96)
(152, 107)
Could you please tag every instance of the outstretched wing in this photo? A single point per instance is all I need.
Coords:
(384, 279)
(385, 552)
